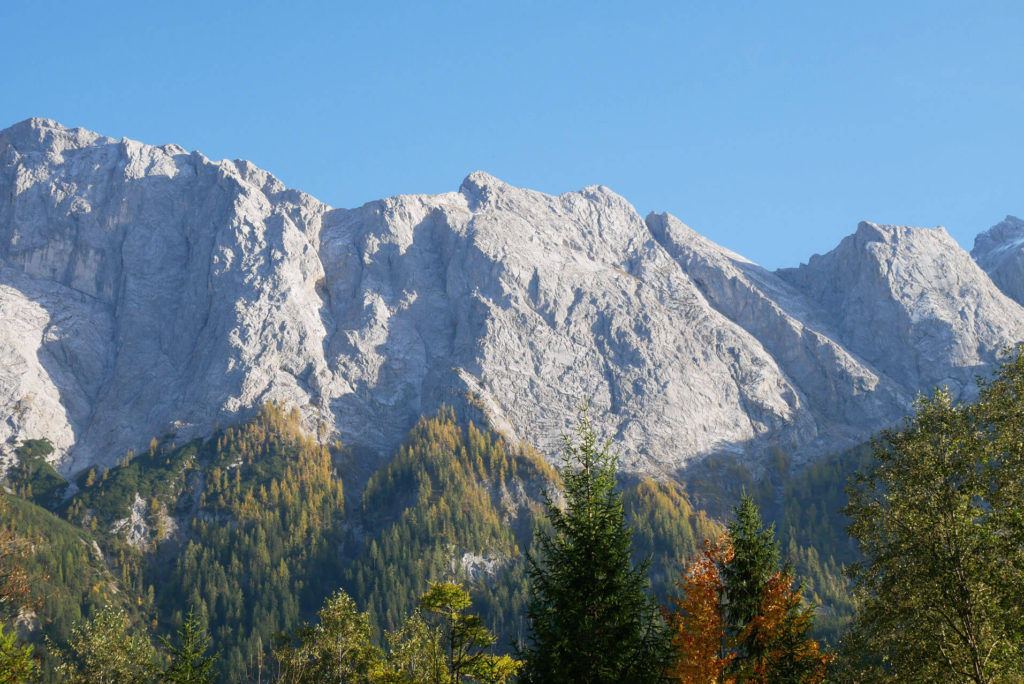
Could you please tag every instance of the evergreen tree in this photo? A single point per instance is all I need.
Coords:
(740, 618)
(189, 662)
(590, 616)
(745, 575)
(767, 624)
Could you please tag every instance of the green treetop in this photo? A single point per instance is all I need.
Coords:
(591, 618)
(755, 558)
(189, 662)
(939, 519)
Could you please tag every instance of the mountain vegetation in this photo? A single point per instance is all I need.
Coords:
(739, 617)
(591, 617)
(454, 503)
(243, 535)
(242, 557)
(939, 520)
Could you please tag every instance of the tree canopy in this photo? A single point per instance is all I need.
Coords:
(940, 521)
(739, 616)
(591, 618)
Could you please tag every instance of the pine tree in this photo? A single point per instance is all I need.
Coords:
(17, 664)
(591, 618)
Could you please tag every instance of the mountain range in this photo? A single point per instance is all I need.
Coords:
(148, 290)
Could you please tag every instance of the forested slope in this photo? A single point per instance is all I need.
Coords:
(253, 528)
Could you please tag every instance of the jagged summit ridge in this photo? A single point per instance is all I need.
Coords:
(911, 303)
(999, 251)
(146, 289)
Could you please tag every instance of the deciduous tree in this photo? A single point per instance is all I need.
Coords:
(440, 643)
(739, 617)
(336, 649)
(939, 519)
(697, 624)
(106, 649)
(14, 582)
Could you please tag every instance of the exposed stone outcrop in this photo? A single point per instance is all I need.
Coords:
(1000, 253)
(146, 289)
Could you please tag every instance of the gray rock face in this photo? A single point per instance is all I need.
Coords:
(913, 304)
(146, 289)
(842, 392)
(1000, 253)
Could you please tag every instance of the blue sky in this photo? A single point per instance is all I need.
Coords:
(772, 128)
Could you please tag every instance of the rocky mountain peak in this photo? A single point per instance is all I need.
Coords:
(37, 136)
(1005, 235)
(478, 185)
(933, 302)
(1000, 252)
(147, 290)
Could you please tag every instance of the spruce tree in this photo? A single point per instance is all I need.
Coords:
(189, 662)
(755, 558)
(591, 619)
(767, 624)
(17, 663)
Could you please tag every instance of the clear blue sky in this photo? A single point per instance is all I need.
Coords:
(772, 128)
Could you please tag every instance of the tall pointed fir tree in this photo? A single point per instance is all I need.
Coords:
(591, 618)
(190, 663)
(768, 626)
(754, 559)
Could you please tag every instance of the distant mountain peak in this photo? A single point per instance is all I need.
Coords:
(1000, 252)
(992, 243)
(147, 289)
(35, 122)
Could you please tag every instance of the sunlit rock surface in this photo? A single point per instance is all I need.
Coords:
(148, 289)
(1000, 253)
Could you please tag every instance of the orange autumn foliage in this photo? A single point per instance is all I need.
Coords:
(698, 624)
(705, 653)
(781, 629)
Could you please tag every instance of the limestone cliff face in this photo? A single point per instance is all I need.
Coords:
(146, 289)
(842, 391)
(999, 251)
(913, 304)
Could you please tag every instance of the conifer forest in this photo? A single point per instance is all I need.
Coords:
(268, 554)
